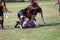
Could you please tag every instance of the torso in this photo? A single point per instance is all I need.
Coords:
(36, 6)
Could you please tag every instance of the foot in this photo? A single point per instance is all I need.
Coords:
(3, 28)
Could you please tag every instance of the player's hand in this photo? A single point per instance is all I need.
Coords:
(44, 23)
(10, 11)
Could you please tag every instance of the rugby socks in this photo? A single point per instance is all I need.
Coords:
(35, 23)
(16, 24)
(6, 15)
(1, 23)
(43, 20)
(25, 22)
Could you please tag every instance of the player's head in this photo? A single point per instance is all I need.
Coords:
(31, 1)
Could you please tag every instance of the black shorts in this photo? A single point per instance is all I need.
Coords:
(21, 13)
(1, 11)
(18, 15)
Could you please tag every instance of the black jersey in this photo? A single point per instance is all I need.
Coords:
(35, 11)
(2, 4)
(22, 12)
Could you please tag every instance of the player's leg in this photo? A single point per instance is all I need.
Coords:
(1, 21)
(24, 25)
(6, 14)
(41, 12)
(34, 20)
(17, 22)
(1, 17)
(59, 9)
(20, 22)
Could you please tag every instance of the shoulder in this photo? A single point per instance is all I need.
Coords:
(35, 3)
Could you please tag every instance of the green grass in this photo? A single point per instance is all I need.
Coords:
(50, 31)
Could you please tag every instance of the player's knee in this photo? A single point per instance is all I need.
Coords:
(1, 21)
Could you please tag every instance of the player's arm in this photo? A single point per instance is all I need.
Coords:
(42, 18)
(56, 4)
(6, 7)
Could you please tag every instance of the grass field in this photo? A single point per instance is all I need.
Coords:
(50, 31)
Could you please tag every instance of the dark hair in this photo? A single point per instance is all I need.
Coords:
(31, 0)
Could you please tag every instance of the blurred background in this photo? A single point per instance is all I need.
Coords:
(26, 0)
(50, 31)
